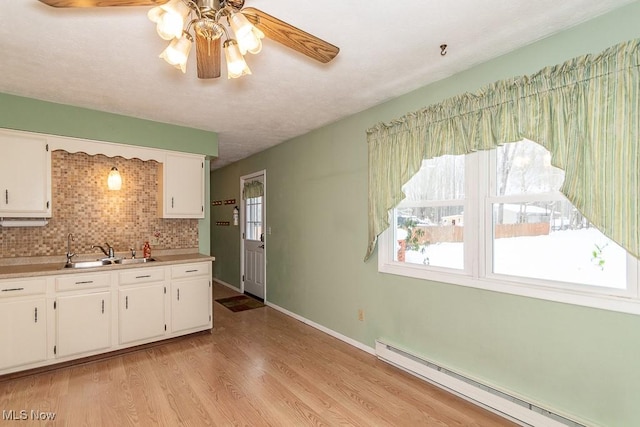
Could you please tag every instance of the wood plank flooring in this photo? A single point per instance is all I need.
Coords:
(258, 368)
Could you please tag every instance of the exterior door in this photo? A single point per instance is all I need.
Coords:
(253, 217)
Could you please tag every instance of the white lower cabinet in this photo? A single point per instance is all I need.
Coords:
(190, 304)
(141, 305)
(141, 314)
(49, 319)
(83, 323)
(191, 297)
(23, 332)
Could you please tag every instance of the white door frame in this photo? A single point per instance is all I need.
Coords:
(244, 178)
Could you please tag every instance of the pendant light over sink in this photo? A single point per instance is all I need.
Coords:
(114, 180)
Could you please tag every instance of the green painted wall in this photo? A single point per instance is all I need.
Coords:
(579, 361)
(225, 244)
(56, 119)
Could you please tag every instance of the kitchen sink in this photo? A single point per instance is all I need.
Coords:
(103, 262)
(87, 264)
(133, 260)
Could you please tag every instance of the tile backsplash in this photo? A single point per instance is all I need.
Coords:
(84, 206)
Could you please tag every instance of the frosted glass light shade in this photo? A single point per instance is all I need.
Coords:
(114, 180)
(236, 65)
(177, 52)
(169, 18)
(247, 35)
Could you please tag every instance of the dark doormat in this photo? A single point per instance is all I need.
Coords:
(240, 303)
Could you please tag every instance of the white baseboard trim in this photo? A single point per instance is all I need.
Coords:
(324, 329)
(228, 285)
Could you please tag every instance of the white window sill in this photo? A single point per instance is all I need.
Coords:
(620, 303)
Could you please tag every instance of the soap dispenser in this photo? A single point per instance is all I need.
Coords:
(146, 250)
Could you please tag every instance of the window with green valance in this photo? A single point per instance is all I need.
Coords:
(252, 189)
(584, 111)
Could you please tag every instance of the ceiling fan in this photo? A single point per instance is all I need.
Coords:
(176, 19)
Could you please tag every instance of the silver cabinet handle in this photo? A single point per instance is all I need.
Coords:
(6, 196)
(12, 289)
(143, 277)
(86, 282)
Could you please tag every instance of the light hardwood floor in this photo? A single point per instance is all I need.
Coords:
(258, 368)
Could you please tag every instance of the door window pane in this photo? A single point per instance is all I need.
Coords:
(253, 218)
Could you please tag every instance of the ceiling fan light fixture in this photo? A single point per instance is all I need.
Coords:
(177, 52)
(236, 65)
(247, 35)
(243, 31)
(208, 28)
(169, 18)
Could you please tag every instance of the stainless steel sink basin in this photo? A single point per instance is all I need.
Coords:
(103, 262)
(87, 264)
(133, 260)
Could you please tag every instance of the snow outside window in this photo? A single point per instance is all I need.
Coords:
(497, 220)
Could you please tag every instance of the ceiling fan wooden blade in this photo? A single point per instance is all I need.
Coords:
(208, 57)
(102, 3)
(291, 36)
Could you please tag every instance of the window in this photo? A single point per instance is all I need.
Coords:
(429, 222)
(497, 220)
(253, 215)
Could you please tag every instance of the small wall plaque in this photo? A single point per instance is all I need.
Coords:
(230, 202)
(217, 203)
(222, 223)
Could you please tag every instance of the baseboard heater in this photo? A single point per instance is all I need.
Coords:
(503, 404)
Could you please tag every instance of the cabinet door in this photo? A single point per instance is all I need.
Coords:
(141, 313)
(25, 175)
(183, 186)
(190, 304)
(83, 323)
(23, 332)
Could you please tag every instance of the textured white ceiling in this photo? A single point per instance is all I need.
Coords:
(107, 59)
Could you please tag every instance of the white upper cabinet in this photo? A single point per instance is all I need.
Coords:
(25, 175)
(182, 186)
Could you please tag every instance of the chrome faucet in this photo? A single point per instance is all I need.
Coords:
(69, 254)
(109, 254)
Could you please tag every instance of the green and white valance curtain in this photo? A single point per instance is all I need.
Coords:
(584, 111)
(252, 189)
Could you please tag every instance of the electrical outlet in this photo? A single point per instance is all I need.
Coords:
(360, 314)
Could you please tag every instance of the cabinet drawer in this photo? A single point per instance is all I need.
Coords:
(18, 288)
(82, 281)
(141, 275)
(189, 270)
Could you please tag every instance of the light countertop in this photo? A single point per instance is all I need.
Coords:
(12, 268)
